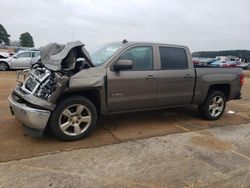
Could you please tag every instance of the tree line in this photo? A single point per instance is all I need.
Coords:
(245, 54)
(25, 39)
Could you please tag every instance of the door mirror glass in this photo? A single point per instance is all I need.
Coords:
(123, 65)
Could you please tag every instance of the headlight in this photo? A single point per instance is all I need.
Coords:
(47, 87)
(40, 83)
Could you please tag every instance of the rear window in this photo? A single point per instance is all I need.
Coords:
(173, 58)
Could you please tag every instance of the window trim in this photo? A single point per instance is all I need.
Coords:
(33, 54)
(178, 47)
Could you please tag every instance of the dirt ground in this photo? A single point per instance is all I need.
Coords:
(15, 144)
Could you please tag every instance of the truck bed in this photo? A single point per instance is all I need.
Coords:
(207, 77)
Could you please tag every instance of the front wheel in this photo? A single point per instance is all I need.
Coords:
(214, 106)
(4, 66)
(73, 119)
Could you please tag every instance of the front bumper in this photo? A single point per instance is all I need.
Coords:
(32, 118)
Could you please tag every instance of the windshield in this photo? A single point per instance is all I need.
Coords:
(102, 53)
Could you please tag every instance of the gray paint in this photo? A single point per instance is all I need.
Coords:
(88, 78)
(53, 54)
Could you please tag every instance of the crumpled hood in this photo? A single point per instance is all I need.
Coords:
(59, 56)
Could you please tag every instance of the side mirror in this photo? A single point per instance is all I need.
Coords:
(123, 65)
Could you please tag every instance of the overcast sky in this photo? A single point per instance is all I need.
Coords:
(199, 24)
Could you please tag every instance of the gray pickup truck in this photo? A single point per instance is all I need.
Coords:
(71, 88)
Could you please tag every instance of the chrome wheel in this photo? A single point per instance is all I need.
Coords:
(75, 120)
(3, 66)
(216, 106)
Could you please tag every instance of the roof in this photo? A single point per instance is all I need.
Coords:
(154, 43)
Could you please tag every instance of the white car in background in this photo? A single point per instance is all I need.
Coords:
(4, 55)
(20, 60)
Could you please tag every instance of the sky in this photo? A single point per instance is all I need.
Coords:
(198, 24)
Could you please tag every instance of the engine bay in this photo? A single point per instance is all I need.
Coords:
(49, 77)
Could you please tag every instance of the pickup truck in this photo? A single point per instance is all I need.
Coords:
(71, 88)
(21, 60)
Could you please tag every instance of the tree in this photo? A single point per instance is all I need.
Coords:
(4, 36)
(26, 40)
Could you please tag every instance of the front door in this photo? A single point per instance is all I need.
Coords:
(135, 88)
(21, 60)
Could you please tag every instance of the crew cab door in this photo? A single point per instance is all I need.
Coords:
(134, 88)
(176, 76)
(21, 60)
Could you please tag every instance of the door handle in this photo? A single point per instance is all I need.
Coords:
(188, 76)
(150, 77)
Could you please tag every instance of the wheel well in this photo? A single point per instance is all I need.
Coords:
(224, 88)
(93, 95)
(5, 63)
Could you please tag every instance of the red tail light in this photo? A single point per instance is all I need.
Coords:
(226, 65)
(242, 79)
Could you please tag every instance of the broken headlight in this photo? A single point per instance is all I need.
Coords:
(41, 83)
(47, 87)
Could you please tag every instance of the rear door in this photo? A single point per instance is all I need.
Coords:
(135, 88)
(176, 77)
(35, 57)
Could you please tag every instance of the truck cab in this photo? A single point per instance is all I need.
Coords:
(154, 78)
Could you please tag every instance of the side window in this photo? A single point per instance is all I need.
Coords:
(24, 54)
(173, 58)
(142, 57)
(35, 54)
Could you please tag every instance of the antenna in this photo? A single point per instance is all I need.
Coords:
(124, 41)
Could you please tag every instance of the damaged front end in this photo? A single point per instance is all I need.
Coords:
(44, 82)
(34, 98)
(42, 86)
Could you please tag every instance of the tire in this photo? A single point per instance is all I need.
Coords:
(73, 119)
(214, 106)
(4, 66)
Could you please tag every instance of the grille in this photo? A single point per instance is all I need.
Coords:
(31, 83)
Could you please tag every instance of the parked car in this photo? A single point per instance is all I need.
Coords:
(4, 55)
(69, 96)
(203, 61)
(224, 64)
(217, 63)
(20, 60)
(243, 65)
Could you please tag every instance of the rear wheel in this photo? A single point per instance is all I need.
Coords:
(73, 119)
(214, 106)
(4, 66)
